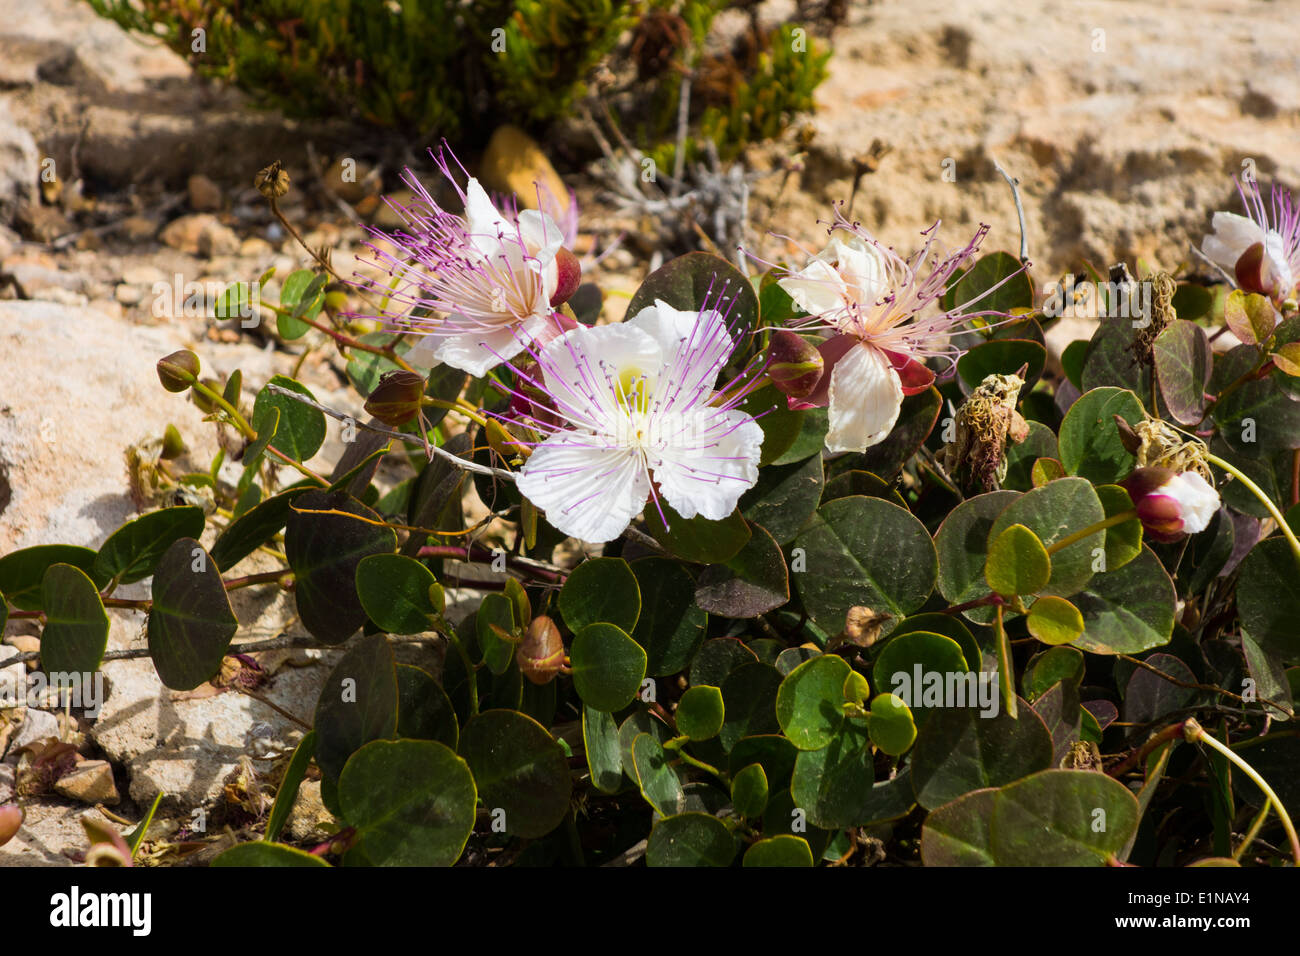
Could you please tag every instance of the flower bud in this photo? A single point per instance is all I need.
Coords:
(540, 654)
(11, 818)
(178, 371)
(794, 365)
(173, 446)
(569, 271)
(1255, 272)
(1171, 504)
(396, 398)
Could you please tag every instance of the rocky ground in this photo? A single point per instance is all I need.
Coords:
(1123, 121)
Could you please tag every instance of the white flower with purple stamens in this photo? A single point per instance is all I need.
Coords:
(478, 287)
(638, 417)
(871, 302)
(1272, 269)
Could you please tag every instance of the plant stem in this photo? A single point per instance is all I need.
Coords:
(266, 577)
(1092, 529)
(471, 676)
(1172, 732)
(1004, 666)
(1195, 732)
(247, 431)
(1254, 830)
(676, 744)
(1264, 499)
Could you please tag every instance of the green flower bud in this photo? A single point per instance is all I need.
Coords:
(173, 446)
(396, 399)
(178, 371)
(794, 365)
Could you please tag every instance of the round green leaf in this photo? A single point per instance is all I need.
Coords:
(191, 622)
(259, 853)
(1001, 357)
(718, 658)
(785, 849)
(752, 583)
(324, 548)
(699, 712)
(670, 627)
(658, 781)
(600, 743)
(424, 711)
(697, 539)
(962, 545)
(891, 726)
(394, 590)
(749, 700)
(608, 667)
(780, 424)
(860, 551)
(301, 430)
(601, 590)
(690, 839)
(1017, 562)
(412, 802)
(1182, 363)
(519, 768)
(22, 571)
(132, 551)
(906, 665)
(1268, 598)
(1124, 540)
(1089, 441)
(810, 701)
(1054, 620)
(76, 625)
(1062, 818)
(749, 791)
(961, 749)
(1130, 610)
(700, 279)
(357, 704)
(831, 784)
(784, 498)
(1054, 512)
(639, 722)
(985, 274)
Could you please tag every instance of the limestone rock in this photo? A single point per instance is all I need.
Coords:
(91, 781)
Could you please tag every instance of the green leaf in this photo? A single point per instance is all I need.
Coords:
(519, 768)
(1054, 620)
(1022, 458)
(495, 627)
(365, 369)
(690, 839)
(394, 590)
(949, 626)
(412, 802)
(785, 850)
(895, 670)
(670, 627)
(781, 426)
(1130, 610)
(76, 625)
(1110, 362)
(987, 272)
(22, 571)
(1268, 598)
(749, 791)
(1054, 512)
(962, 545)
(749, 699)
(830, 784)
(132, 551)
(695, 280)
(608, 666)
(260, 853)
(810, 701)
(324, 550)
(1062, 818)
(697, 539)
(1250, 316)
(424, 711)
(774, 753)
(357, 704)
(1182, 362)
(601, 590)
(717, 658)
(749, 585)
(600, 743)
(810, 440)
(1090, 443)
(253, 528)
(784, 498)
(1260, 417)
(639, 722)
(1001, 357)
(891, 727)
(957, 833)
(287, 792)
(1052, 666)
(961, 749)
(700, 712)
(1017, 563)
(659, 783)
(1124, 540)
(866, 552)
(265, 423)
(301, 431)
(191, 623)
(849, 483)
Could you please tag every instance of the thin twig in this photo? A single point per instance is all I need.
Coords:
(273, 644)
(462, 463)
(1020, 209)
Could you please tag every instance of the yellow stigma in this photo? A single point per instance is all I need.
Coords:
(633, 389)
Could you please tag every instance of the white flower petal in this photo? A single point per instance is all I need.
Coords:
(1233, 235)
(424, 353)
(711, 460)
(695, 346)
(579, 364)
(865, 397)
(588, 488)
(477, 351)
(1196, 497)
(817, 288)
(540, 234)
(485, 223)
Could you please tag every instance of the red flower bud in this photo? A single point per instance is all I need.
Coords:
(1171, 504)
(569, 271)
(794, 365)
